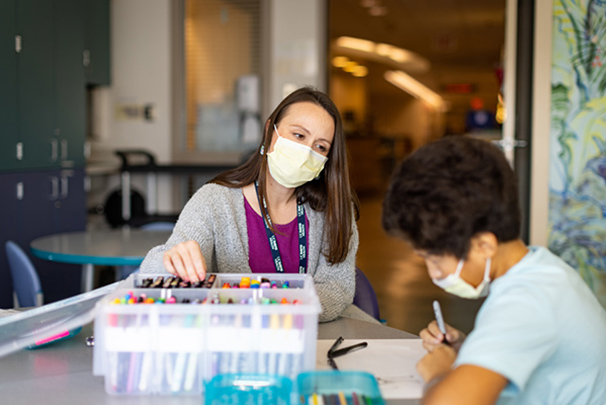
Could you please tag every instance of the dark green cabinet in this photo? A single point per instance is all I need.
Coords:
(70, 87)
(8, 85)
(35, 83)
(36, 204)
(46, 60)
(50, 50)
(97, 39)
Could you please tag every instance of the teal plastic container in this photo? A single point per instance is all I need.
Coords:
(337, 387)
(248, 389)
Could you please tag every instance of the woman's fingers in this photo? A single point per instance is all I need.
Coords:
(177, 262)
(186, 261)
(197, 259)
(168, 263)
(186, 251)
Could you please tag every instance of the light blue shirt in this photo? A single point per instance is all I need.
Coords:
(542, 328)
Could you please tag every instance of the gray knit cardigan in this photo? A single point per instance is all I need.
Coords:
(215, 217)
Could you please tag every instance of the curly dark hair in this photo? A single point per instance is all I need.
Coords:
(450, 190)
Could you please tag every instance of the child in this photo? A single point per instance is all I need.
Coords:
(540, 336)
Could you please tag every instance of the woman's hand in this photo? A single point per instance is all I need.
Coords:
(437, 362)
(186, 261)
(432, 337)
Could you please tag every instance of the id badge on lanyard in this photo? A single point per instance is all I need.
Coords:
(273, 241)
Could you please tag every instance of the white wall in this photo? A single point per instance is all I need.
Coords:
(140, 74)
(297, 54)
(141, 62)
(541, 118)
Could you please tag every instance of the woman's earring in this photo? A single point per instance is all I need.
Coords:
(262, 151)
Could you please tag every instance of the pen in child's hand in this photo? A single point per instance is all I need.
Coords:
(440, 320)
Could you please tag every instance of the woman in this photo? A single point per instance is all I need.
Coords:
(298, 182)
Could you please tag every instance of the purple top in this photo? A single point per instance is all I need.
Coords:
(260, 259)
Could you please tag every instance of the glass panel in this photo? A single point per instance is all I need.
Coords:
(222, 74)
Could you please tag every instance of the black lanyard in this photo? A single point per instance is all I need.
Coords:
(273, 241)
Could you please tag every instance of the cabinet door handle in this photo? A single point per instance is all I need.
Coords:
(54, 150)
(19, 152)
(63, 149)
(64, 187)
(86, 57)
(54, 188)
(20, 191)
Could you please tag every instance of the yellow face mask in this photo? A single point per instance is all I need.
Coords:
(455, 285)
(292, 164)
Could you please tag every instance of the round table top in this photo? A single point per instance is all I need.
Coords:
(114, 247)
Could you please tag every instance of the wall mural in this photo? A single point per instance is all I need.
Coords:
(577, 180)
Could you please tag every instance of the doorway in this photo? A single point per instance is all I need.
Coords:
(404, 73)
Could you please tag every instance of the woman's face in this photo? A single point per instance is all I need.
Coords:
(308, 124)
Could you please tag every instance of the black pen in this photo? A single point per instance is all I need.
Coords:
(335, 345)
(348, 349)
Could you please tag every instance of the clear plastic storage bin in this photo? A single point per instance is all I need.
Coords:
(176, 346)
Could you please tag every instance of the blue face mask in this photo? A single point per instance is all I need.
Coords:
(455, 285)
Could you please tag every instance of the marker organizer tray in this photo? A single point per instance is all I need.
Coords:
(170, 341)
(338, 387)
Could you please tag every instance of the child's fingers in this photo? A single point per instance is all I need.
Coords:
(431, 335)
(435, 331)
(453, 335)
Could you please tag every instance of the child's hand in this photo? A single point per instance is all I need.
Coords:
(432, 337)
(437, 362)
(186, 261)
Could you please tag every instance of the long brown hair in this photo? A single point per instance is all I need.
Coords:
(331, 193)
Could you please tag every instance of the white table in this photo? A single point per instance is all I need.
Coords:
(62, 373)
(117, 247)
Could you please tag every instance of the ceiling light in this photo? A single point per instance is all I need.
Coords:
(350, 66)
(401, 58)
(360, 71)
(356, 43)
(368, 3)
(377, 11)
(415, 88)
(339, 61)
(399, 55)
(383, 49)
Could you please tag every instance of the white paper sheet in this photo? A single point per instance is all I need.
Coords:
(392, 361)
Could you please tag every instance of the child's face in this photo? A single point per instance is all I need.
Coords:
(440, 266)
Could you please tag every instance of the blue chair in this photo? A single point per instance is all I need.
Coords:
(365, 297)
(26, 283)
(124, 271)
(158, 226)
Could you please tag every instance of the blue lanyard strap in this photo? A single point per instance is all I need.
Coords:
(273, 241)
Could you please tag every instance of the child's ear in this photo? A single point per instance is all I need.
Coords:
(485, 244)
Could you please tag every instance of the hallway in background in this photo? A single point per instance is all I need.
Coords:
(399, 277)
